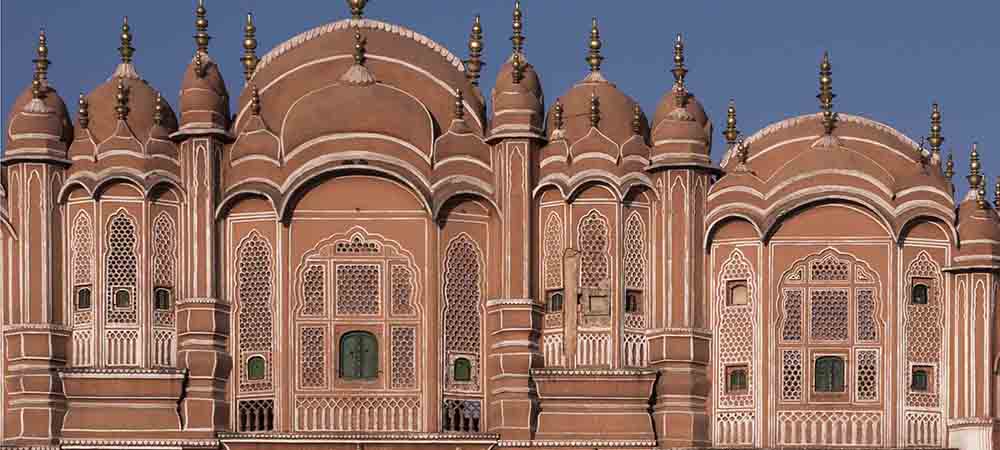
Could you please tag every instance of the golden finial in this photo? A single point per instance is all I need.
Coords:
(517, 38)
(981, 194)
(459, 105)
(935, 139)
(595, 110)
(518, 68)
(594, 57)
(121, 100)
(255, 101)
(201, 36)
(557, 119)
(826, 94)
(126, 50)
(359, 47)
(83, 111)
(357, 8)
(949, 168)
(199, 65)
(679, 70)
(636, 120)
(249, 58)
(41, 68)
(996, 193)
(475, 63)
(731, 133)
(975, 178)
(742, 153)
(158, 110)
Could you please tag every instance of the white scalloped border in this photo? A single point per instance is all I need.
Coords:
(345, 24)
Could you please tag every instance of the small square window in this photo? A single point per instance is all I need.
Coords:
(256, 368)
(554, 301)
(633, 302)
(920, 292)
(828, 376)
(737, 379)
(462, 370)
(738, 293)
(920, 378)
(161, 299)
(123, 299)
(83, 298)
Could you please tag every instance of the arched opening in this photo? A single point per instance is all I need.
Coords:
(256, 368)
(462, 370)
(829, 374)
(358, 356)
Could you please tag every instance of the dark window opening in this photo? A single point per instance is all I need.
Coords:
(161, 299)
(123, 298)
(920, 379)
(462, 370)
(83, 298)
(919, 295)
(358, 356)
(633, 302)
(736, 379)
(829, 374)
(554, 302)
(256, 368)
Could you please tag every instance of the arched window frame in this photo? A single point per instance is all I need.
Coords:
(163, 303)
(830, 374)
(368, 367)
(251, 368)
(84, 293)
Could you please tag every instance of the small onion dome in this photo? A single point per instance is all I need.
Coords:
(204, 101)
(255, 141)
(680, 130)
(83, 150)
(33, 126)
(979, 234)
(104, 119)
(615, 114)
(162, 151)
(462, 162)
(517, 107)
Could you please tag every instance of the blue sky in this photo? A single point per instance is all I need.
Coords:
(891, 59)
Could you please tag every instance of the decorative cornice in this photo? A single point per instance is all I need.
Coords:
(348, 24)
(585, 373)
(579, 444)
(36, 327)
(353, 437)
(120, 443)
(169, 371)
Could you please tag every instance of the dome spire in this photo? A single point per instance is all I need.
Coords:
(459, 105)
(358, 74)
(517, 38)
(935, 138)
(201, 36)
(42, 63)
(158, 110)
(731, 133)
(742, 154)
(996, 192)
(121, 101)
(475, 64)
(637, 120)
(826, 94)
(83, 112)
(200, 69)
(126, 50)
(518, 68)
(595, 110)
(357, 8)
(255, 101)
(949, 168)
(974, 177)
(594, 57)
(249, 58)
(557, 120)
(679, 70)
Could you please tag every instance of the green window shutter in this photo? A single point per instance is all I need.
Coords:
(256, 368)
(358, 355)
(463, 370)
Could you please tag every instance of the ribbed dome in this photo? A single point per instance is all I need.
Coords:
(530, 83)
(204, 101)
(27, 123)
(141, 105)
(616, 111)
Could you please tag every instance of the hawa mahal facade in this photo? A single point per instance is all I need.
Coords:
(372, 252)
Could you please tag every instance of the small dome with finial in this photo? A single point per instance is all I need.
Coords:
(103, 101)
(517, 68)
(978, 224)
(680, 125)
(517, 93)
(204, 100)
(38, 125)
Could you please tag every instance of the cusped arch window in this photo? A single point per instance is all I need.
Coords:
(358, 356)
(829, 374)
(555, 301)
(161, 299)
(83, 298)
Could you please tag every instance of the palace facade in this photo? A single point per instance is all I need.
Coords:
(372, 252)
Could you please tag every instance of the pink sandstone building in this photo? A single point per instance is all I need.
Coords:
(371, 252)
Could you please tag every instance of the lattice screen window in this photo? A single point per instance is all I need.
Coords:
(924, 322)
(402, 291)
(867, 324)
(829, 312)
(635, 253)
(463, 297)
(164, 270)
(593, 243)
(83, 250)
(313, 291)
(120, 269)
(359, 289)
(552, 251)
(312, 357)
(254, 291)
(791, 375)
(867, 366)
(404, 364)
(735, 328)
(791, 330)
